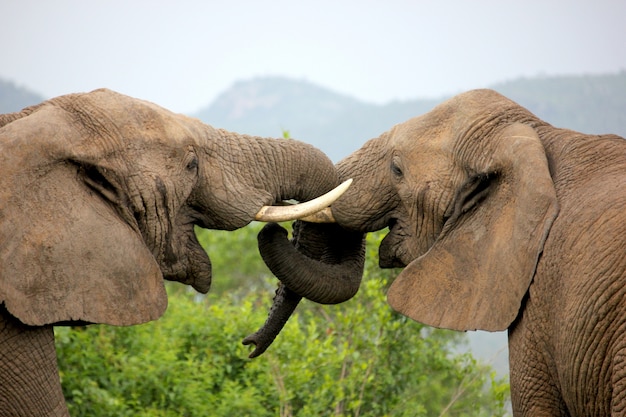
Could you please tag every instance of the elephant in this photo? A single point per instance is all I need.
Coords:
(99, 197)
(500, 221)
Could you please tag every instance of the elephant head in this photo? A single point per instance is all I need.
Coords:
(99, 197)
(100, 193)
(466, 193)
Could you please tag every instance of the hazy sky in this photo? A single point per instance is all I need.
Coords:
(181, 54)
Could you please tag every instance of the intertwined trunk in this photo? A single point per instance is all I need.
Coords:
(323, 263)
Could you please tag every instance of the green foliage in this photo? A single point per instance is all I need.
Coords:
(186, 364)
(354, 359)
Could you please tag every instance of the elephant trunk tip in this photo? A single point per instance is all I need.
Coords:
(260, 344)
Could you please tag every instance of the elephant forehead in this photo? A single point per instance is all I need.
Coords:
(424, 150)
(426, 134)
(137, 119)
(444, 125)
(168, 128)
(425, 155)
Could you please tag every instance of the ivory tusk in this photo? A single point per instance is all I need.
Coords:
(315, 211)
(323, 216)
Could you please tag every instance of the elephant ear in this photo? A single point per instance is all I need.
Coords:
(480, 267)
(66, 253)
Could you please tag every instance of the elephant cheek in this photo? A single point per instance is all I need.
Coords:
(189, 264)
(197, 274)
(389, 253)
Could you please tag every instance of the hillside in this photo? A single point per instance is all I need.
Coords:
(335, 123)
(339, 124)
(589, 104)
(14, 98)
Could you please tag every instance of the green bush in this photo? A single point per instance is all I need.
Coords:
(354, 359)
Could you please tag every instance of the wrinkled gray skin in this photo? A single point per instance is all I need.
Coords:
(99, 196)
(502, 221)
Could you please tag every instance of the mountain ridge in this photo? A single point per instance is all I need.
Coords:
(14, 98)
(339, 124)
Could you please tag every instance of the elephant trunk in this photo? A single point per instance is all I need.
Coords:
(327, 272)
(284, 303)
(322, 262)
(300, 171)
(366, 204)
(246, 173)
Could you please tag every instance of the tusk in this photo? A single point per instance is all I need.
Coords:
(323, 216)
(315, 211)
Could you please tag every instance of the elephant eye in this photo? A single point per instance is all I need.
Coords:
(193, 163)
(395, 169)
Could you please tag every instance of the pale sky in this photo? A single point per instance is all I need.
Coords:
(181, 54)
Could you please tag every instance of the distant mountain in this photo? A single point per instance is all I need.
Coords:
(338, 124)
(335, 123)
(273, 103)
(14, 98)
(590, 104)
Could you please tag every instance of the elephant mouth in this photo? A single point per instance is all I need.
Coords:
(390, 252)
(184, 260)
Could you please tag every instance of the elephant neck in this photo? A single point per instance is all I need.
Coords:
(572, 155)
